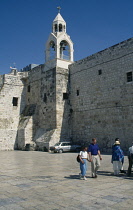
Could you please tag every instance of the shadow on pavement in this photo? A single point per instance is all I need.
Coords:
(102, 173)
(105, 173)
(75, 177)
(108, 173)
(72, 177)
(129, 177)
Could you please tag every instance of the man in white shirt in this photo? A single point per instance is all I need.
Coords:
(130, 158)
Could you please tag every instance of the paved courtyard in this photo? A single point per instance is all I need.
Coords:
(38, 180)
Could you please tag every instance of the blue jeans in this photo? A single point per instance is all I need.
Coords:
(83, 167)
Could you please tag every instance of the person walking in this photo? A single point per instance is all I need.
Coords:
(122, 169)
(94, 157)
(117, 157)
(130, 159)
(83, 156)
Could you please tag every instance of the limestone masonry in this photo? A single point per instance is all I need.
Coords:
(63, 100)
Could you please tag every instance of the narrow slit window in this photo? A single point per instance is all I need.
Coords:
(129, 77)
(56, 29)
(60, 27)
(15, 101)
(45, 98)
(28, 89)
(99, 71)
(65, 96)
(77, 92)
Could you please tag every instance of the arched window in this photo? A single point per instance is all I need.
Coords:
(64, 50)
(55, 28)
(51, 50)
(60, 27)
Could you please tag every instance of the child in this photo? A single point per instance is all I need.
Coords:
(83, 156)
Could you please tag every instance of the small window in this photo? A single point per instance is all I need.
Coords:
(45, 98)
(99, 71)
(77, 92)
(68, 144)
(129, 77)
(60, 27)
(65, 144)
(65, 96)
(15, 101)
(56, 29)
(28, 88)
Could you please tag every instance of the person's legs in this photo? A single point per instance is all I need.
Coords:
(119, 166)
(116, 167)
(122, 168)
(93, 166)
(130, 165)
(97, 164)
(83, 168)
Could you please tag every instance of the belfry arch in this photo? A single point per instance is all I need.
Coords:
(51, 50)
(65, 50)
(60, 27)
(55, 27)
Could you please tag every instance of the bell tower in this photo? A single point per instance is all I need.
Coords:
(59, 47)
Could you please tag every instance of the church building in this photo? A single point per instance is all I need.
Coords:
(63, 100)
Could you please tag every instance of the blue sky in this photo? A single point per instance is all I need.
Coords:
(93, 25)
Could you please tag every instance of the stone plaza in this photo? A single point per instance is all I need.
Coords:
(41, 180)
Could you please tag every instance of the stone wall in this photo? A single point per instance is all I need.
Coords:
(52, 108)
(40, 115)
(1, 81)
(44, 91)
(101, 98)
(39, 112)
(63, 103)
(12, 86)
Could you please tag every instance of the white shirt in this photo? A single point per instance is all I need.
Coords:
(83, 154)
(131, 150)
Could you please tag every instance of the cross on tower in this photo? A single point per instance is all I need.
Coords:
(59, 8)
(14, 65)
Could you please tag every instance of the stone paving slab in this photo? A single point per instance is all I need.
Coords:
(39, 181)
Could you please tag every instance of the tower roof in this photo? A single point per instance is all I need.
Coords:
(59, 18)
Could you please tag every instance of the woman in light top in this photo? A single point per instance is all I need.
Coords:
(83, 156)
